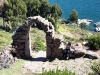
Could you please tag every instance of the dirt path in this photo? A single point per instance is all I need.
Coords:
(81, 66)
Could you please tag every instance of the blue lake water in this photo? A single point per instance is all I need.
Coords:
(87, 9)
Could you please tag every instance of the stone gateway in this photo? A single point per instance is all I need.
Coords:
(21, 38)
(54, 42)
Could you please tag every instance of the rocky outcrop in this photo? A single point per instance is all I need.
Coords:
(77, 50)
(6, 58)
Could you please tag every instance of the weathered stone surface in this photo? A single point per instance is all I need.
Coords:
(6, 58)
(22, 37)
(48, 52)
(92, 55)
(79, 53)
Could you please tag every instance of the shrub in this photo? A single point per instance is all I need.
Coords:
(94, 42)
(58, 72)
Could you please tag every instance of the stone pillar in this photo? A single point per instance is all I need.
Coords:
(58, 46)
(27, 44)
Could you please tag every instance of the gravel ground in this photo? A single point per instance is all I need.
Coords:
(81, 66)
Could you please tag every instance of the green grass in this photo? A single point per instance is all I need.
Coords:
(38, 41)
(1, 21)
(15, 69)
(57, 72)
(5, 38)
(72, 29)
(96, 68)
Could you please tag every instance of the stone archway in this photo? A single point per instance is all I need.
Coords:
(21, 38)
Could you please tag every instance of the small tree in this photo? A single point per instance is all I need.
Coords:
(83, 25)
(56, 12)
(45, 8)
(33, 7)
(73, 16)
(94, 42)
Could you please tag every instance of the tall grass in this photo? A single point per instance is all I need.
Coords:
(58, 72)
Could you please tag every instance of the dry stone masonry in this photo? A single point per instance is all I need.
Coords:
(21, 38)
(54, 43)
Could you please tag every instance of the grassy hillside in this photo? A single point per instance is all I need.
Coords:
(38, 42)
(5, 39)
(72, 33)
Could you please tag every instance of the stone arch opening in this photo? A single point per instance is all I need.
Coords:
(21, 39)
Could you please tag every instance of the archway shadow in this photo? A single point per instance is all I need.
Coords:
(42, 59)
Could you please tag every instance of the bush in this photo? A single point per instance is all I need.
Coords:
(94, 42)
(58, 72)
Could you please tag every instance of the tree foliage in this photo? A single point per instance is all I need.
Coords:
(14, 11)
(56, 11)
(83, 25)
(73, 16)
(33, 7)
(17, 10)
(45, 8)
(94, 42)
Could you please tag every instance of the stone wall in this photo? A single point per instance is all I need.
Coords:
(54, 43)
(21, 38)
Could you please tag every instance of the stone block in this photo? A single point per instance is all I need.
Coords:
(23, 37)
(48, 52)
(58, 52)
(24, 28)
(20, 33)
(50, 45)
(49, 41)
(21, 47)
(45, 22)
(49, 37)
(42, 20)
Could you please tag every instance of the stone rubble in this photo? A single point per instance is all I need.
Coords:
(6, 58)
